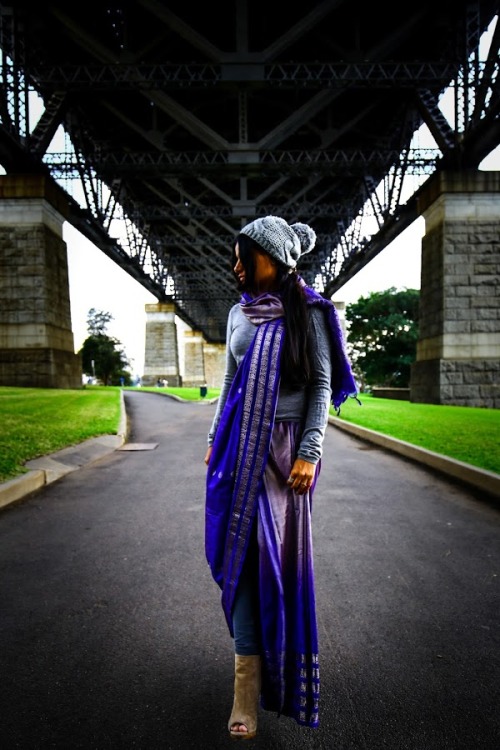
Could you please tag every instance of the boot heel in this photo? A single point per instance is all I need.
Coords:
(246, 696)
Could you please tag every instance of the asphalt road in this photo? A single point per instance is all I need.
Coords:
(112, 635)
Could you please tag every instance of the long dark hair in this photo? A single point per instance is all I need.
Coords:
(295, 361)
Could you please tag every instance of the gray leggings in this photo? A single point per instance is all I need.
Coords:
(246, 606)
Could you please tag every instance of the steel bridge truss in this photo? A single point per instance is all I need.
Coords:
(174, 233)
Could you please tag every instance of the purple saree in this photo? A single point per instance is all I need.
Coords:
(246, 482)
(290, 671)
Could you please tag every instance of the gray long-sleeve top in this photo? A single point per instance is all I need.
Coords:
(308, 405)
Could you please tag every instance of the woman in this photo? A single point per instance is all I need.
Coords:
(285, 364)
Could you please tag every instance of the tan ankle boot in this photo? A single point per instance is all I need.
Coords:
(246, 696)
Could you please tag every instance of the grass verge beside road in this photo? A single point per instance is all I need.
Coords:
(465, 433)
(36, 421)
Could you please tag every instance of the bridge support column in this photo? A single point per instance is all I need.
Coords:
(36, 338)
(194, 363)
(161, 361)
(215, 364)
(458, 352)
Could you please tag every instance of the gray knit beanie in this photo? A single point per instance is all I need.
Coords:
(284, 242)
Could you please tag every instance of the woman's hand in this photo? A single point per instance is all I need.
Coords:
(208, 454)
(301, 476)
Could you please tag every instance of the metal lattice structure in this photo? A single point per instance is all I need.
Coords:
(184, 121)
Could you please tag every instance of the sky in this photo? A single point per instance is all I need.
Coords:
(97, 281)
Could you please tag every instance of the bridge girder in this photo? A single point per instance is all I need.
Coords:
(181, 127)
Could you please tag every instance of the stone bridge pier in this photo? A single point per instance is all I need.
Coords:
(458, 352)
(161, 361)
(181, 357)
(36, 338)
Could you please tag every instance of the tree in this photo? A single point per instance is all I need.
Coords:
(98, 321)
(102, 355)
(383, 333)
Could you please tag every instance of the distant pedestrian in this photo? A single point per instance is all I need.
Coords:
(285, 364)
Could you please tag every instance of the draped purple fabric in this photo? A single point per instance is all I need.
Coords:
(246, 483)
(238, 459)
(290, 684)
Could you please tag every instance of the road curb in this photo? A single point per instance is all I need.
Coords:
(16, 489)
(486, 481)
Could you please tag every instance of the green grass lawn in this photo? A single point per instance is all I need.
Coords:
(38, 421)
(465, 433)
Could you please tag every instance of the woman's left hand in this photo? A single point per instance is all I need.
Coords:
(301, 476)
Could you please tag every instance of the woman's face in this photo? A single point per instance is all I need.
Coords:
(265, 273)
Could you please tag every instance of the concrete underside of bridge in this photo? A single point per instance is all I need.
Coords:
(36, 338)
(458, 354)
